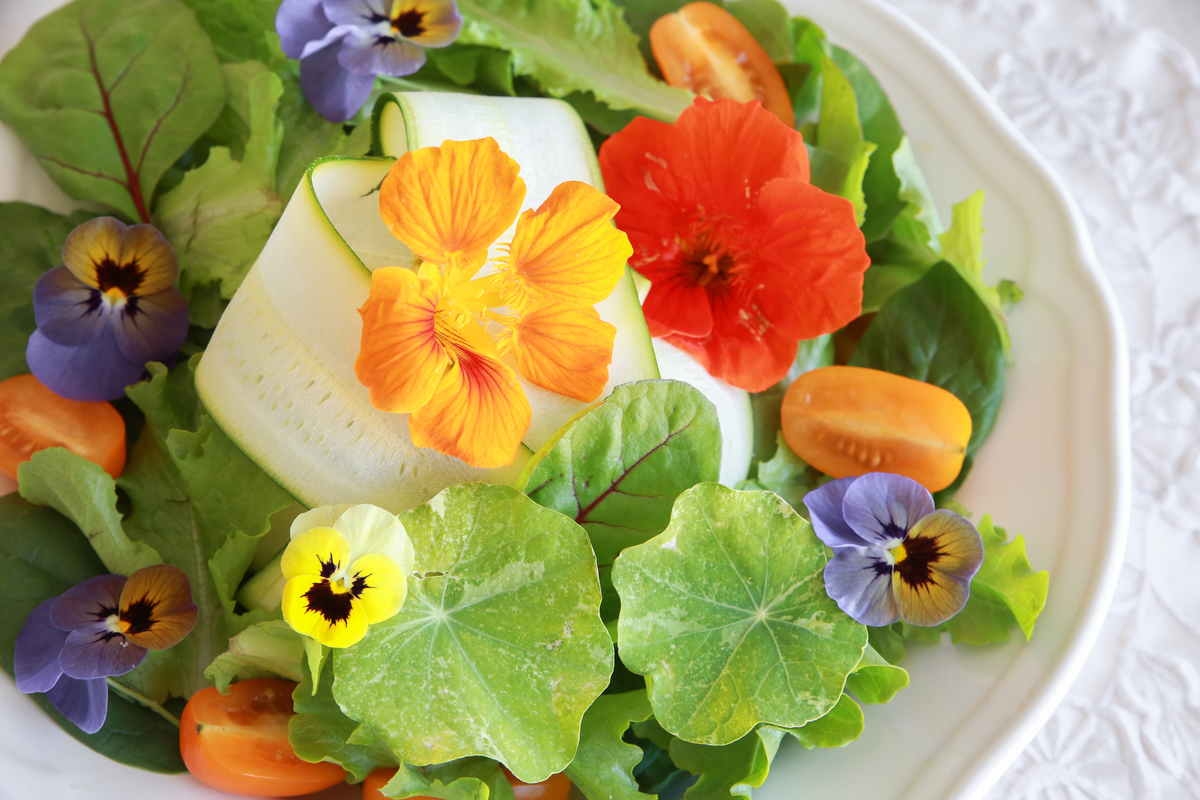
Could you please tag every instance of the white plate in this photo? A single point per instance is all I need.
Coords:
(1056, 469)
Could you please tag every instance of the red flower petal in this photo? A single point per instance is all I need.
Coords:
(678, 304)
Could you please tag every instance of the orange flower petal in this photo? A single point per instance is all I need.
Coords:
(564, 349)
(433, 23)
(478, 414)
(156, 609)
(449, 203)
(567, 250)
(105, 253)
(400, 359)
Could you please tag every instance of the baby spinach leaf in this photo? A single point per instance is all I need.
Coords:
(31, 241)
(841, 726)
(498, 650)
(544, 38)
(42, 554)
(803, 77)
(726, 613)
(769, 23)
(618, 469)
(603, 765)
(265, 650)
(108, 94)
(320, 731)
(728, 770)
(875, 680)
(938, 330)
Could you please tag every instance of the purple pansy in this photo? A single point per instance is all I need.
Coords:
(895, 556)
(343, 44)
(102, 627)
(111, 308)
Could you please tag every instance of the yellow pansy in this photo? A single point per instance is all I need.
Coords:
(346, 568)
(426, 347)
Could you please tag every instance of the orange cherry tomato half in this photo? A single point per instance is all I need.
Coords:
(33, 418)
(851, 420)
(556, 787)
(702, 47)
(238, 742)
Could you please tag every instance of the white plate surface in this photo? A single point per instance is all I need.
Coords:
(1056, 468)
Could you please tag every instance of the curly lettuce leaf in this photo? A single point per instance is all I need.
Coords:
(464, 779)
(728, 770)
(108, 94)
(604, 763)
(264, 650)
(875, 679)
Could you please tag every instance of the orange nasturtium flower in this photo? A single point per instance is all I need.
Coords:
(426, 346)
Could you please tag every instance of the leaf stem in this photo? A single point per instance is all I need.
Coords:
(141, 699)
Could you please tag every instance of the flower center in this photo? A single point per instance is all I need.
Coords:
(118, 281)
(408, 23)
(898, 554)
(713, 264)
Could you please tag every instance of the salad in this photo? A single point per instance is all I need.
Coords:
(518, 552)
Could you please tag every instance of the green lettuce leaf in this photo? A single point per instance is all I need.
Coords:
(840, 155)
(219, 217)
(726, 614)
(573, 46)
(264, 650)
(31, 241)
(241, 30)
(109, 94)
(728, 770)
(938, 330)
(875, 680)
(770, 25)
(464, 779)
(787, 475)
(962, 246)
(197, 500)
(842, 725)
(617, 470)
(604, 763)
(498, 650)
(803, 77)
(42, 555)
(308, 136)
(320, 731)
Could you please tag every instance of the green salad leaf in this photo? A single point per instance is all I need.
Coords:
(842, 725)
(42, 555)
(604, 763)
(962, 246)
(875, 679)
(840, 155)
(726, 614)
(264, 650)
(464, 779)
(108, 94)
(573, 46)
(498, 650)
(727, 770)
(618, 469)
(241, 30)
(31, 241)
(787, 475)
(938, 330)
(770, 25)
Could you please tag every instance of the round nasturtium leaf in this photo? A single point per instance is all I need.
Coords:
(726, 614)
(499, 648)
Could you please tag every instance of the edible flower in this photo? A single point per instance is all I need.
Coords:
(104, 626)
(895, 557)
(111, 307)
(345, 569)
(744, 256)
(343, 44)
(426, 350)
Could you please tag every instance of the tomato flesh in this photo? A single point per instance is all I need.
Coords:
(703, 48)
(33, 418)
(556, 787)
(851, 420)
(238, 743)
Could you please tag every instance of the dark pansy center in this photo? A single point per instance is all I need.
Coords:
(138, 616)
(333, 605)
(119, 280)
(919, 554)
(409, 23)
(328, 567)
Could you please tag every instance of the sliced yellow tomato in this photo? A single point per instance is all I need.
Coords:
(33, 418)
(702, 47)
(851, 420)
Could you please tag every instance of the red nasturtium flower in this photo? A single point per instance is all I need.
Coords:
(745, 256)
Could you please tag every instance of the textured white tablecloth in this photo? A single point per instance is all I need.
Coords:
(1109, 92)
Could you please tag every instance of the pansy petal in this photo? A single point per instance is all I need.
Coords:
(91, 245)
(331, 616)
(359, 13)
(35, 657)
(932, 601)
(320, 517)
(479, 412)
(566, 349)
(87, 603)
(365, 52)
(429, 23)
(148, 255)
(678, 304)
(66, 310)
(567, 250)
(370, 529)
(156, 607)
(942, 553)
(825, 510)
(859, 580)
(882, 507)
(379, 584)
(401, 359)
(299, 22)
(83, 702)
(95, 652)
(336, 93)
(449, 203)
(152, 327)
(321, 552)
(97, 370)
